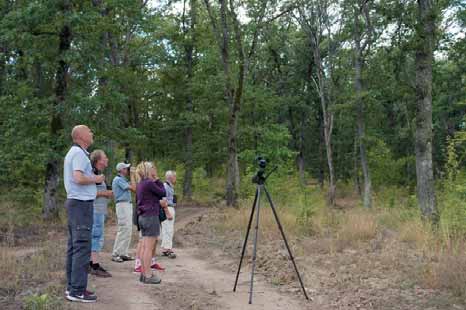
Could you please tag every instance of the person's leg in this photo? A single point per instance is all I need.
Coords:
(82, 235)
(97, 237)
(164, 235)
(125, 228)
(139, 248)
(120, 216)
(69, 251)
(128, 229)
(154, 264)
(98, 231)
(168, 229)
(148, 248)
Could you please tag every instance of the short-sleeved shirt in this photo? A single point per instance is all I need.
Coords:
(170, 191)
(120, 187)
(101, 203)
(77, 159)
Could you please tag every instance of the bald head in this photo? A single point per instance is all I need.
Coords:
(82, 135)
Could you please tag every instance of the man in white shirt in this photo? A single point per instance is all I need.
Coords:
(80, 185)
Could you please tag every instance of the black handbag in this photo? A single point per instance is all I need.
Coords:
(162, 215)
(136, 217)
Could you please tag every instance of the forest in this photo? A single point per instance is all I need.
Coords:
(363, 92)
(355, 100)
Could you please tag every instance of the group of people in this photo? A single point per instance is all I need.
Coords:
(87, 201)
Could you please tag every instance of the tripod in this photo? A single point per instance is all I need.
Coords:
(260, 180)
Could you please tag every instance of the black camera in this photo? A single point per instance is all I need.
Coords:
(96, 172)
(259, 177)
(262, 162)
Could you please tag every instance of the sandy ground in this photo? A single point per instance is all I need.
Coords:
(194, 280)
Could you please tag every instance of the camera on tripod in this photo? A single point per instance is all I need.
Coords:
(259, 177)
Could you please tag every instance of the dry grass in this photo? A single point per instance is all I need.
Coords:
(450, 273)
(357, 225)
(440, 265)
(27, 275)
(418, 233)
(232, 219)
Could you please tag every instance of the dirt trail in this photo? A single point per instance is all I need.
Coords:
(191, 281)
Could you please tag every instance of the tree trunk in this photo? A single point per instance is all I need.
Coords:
(328, 147)
(321, 152)
(367, 193)
(424, 59)
(3, 51)
(129, 154)
(232, 165)
(189, 50)
(233, 96)
(231, 186)
(56, 124)
(327, 117)
(300, 157)
(357, 182)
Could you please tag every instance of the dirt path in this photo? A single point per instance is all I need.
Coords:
(190, 282)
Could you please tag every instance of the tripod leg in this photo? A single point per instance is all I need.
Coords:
(246, 238)
(286, 242)
(254, 256)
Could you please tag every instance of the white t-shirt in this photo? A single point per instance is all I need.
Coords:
(77, 160)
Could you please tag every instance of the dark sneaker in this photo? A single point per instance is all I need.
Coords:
(126, 258)
(100, 272)
(169, 254)
(86, 297)
(117, 259)
(67, 292)
(151, 280)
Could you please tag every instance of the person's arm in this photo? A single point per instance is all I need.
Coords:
(81, 179)
(168, 214)
(124, 185)
(132, 187)
(79, 164)
(168, 194)
(106, 194)
(157, 188)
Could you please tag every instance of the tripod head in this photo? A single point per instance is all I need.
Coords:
(260, 177)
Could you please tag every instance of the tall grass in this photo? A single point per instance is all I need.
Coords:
(31, 262)
(395, 219)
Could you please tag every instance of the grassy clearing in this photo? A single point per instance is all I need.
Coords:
(31, 260)
(32, 277)
(393, 227)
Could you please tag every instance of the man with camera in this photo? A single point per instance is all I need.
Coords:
(80, 185)
(124, 210)
(99, 162)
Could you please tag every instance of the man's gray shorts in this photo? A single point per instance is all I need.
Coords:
(150, 226)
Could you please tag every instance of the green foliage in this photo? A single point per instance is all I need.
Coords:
(42, 302)
(452, 198)
(385, 169)
(128, 80)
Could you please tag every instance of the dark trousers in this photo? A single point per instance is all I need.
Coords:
(78, 255)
